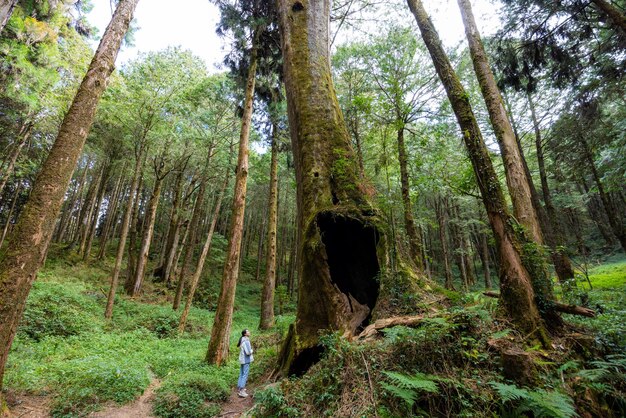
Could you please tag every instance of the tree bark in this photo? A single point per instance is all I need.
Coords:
(518, 297)
(146, 241)
(342, 242)
(21, 261)
(440, 212)
(267, 296)
(217, 351)
(111, 216)
(562, 264)
(203, 255)
(10, 214)
(191, 243)
(615, 221)
(517, 181)
(132, 237)
(134, 195)
(6, 10)
(409, 221)
(24, 134)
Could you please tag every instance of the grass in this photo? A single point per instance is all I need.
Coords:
(64, 347)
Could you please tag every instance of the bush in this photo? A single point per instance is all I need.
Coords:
(84, 383)
(57, 310)
(192, 395)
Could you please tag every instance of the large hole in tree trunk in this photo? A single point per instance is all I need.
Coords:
(353, 264)
(352, 260)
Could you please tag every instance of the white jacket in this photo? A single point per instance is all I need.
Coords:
(245, 351)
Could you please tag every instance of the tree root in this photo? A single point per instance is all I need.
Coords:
(559, 307)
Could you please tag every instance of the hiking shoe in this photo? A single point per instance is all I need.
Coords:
(242, 394)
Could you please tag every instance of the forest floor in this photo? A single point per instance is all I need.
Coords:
(67, 361)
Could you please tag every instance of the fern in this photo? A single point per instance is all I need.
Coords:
(509, 392)
(407, 387)
(540, 403)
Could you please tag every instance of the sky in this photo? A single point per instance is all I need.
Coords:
(191, 24)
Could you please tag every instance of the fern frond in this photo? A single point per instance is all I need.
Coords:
(407, 395)
(419, 381)
(509, 392)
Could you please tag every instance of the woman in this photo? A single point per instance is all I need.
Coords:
(245, 358)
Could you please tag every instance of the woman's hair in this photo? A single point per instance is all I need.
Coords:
(243, 334)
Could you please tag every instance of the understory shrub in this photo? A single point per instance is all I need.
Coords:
(194, 394)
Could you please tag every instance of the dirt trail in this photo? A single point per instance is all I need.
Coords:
(142, 407)
(235, 406)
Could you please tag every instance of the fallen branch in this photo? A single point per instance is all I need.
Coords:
(371, 330)
(559, 307)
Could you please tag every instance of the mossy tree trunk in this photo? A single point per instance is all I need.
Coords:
(267, 297)
(518, 180)
(27, 248)
(6, 10)
(342, 245)
(217, 351)
(517, 296)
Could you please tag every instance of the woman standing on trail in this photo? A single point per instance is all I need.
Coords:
(245, 358)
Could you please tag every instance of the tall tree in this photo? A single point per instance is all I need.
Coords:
(517, 296)
(25, 253)
(218, 348)
(267, 295)
(342, 241)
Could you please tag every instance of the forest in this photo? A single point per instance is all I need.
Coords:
(397, 225)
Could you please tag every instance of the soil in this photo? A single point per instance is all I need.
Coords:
(142, 407)
(236, 407)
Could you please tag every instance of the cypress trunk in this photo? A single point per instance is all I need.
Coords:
(517, 298)
(409, 222)
(21, 261)
(203, 255)
(134, 195)
(342, 241)
(217, 351)
(267, 296)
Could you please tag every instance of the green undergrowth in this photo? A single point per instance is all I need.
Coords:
(607, 296)
(450, 365)
(65, 349)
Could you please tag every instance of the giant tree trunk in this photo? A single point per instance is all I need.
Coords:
(267, 297)
(21, 261)
(6, 9)
(217, 351)
(409, 222)
(134, 194)
(517, 296)
(342, 241)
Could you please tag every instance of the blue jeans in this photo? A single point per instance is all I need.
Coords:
(243, 376)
